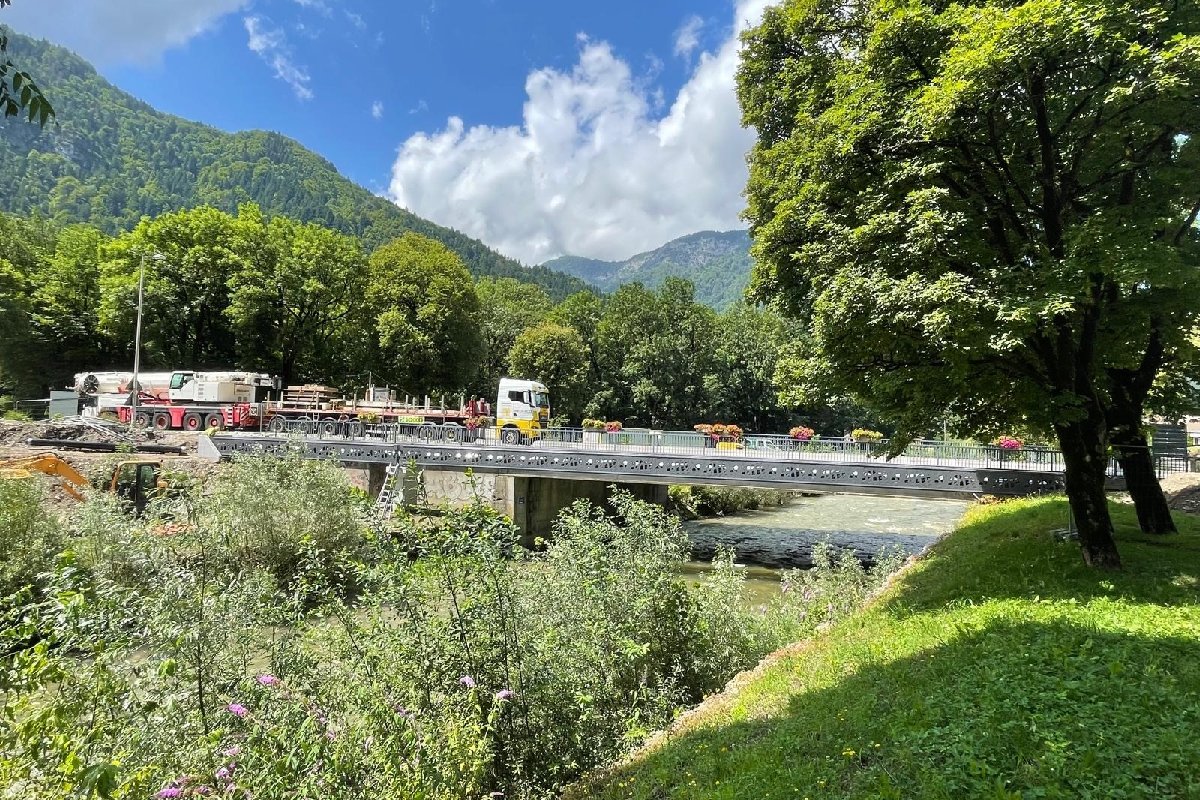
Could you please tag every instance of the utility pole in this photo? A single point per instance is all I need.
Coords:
(137, 344)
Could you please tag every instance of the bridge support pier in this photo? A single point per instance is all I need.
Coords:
(531, 503)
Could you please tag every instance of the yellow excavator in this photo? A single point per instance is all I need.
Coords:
(135, 480)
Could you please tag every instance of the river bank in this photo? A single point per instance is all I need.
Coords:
(997, 665)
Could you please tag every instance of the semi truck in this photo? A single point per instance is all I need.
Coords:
(189, 400)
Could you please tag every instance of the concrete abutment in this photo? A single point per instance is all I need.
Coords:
(531, 503)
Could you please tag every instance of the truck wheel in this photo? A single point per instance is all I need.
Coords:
(329, 427)
(426, 432)
(162, 421)
(510, 436)
(355, 429)
(213, 420)
(453, 432)
(191, 421)
(277, 425)
(141, 419)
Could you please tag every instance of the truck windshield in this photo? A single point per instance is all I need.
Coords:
(541, 400)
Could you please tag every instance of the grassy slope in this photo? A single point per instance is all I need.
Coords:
(997, 667)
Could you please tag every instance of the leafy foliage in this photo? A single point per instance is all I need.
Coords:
(979, 209)
(177, 655)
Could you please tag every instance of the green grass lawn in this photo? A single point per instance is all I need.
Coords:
(998, 667)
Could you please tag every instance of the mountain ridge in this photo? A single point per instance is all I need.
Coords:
(717, 262)
(110, 158)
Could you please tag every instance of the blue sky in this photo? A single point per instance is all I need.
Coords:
(539, 127)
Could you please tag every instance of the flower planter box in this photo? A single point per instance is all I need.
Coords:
(592, 437)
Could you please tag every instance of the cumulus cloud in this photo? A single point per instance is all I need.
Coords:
(377, 109)
(594, 170)
(270, 44)
(136, 31)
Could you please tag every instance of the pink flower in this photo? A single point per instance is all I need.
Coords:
(504, 694)
(232, 752)
(223, 774)
(169, 791)
(467, 681)
(267, 679)
(238, 710)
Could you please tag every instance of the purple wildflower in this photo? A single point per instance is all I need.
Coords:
(504, 694)
(232, 752)
(169, 791)
(267, 679)
(202, 790)
(238, 710)
(467, 681)
(223, 774)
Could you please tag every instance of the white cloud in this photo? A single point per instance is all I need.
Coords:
(356, 20)
(128, 31)
(320, 6)
(270, 44)
(377, 109)
(593, 171)
(687, 38)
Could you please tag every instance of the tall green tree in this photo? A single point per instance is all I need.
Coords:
(507, 308)
(190, 258)
(557, 356)
(741, 368)
(654, 350)
(295, 308)
(425, 316)
(65, 306)
(25, 246)
(984, 208)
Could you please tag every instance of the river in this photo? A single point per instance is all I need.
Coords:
(772, 540)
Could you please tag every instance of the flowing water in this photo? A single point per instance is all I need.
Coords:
(774, 539)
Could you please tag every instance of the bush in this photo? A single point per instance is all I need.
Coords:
(30, 538)
(693, 502)
(296, 518)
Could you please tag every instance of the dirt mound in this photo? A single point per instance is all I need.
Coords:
(1183, 491)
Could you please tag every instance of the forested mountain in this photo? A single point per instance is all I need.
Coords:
(718, 264)
(110, 159)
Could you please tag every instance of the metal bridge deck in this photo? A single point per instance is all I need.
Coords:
(837, 470)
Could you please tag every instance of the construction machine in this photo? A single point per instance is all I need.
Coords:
(136, 480)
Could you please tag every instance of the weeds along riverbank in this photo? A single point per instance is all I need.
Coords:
(256, 636)
(998, 666)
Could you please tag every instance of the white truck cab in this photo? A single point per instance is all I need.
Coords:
(522, 410)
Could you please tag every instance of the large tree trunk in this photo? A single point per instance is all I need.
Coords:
(1082, 444)
(1128, 389)
(1133, 453)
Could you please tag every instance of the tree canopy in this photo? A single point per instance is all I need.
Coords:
(985, 208)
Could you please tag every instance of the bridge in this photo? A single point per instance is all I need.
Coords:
(666, 458)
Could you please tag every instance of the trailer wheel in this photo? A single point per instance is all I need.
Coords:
(162, 421)
(191, 421)
(213, 420)
(510, 435)
(277, 425)
(329, 427)
(426, 431)
(355, 429)
(453, 432)
(141, 419)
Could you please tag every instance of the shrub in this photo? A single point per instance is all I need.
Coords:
(30, 538)
(286, 515)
